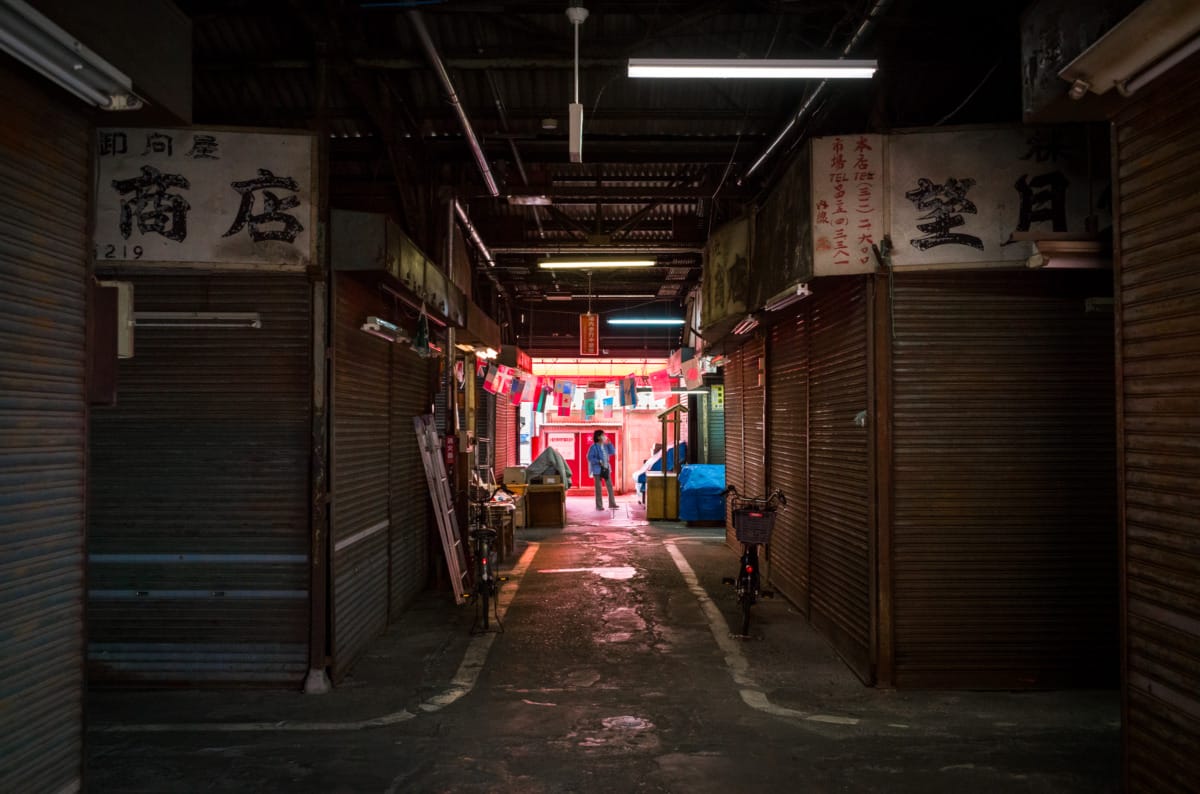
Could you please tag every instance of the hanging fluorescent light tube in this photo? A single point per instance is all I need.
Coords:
(384, 330)
(54, 53)
(644, 321)
(749, 68)
(746, 326)
(592, 264)
(196, 320)
(788, 297)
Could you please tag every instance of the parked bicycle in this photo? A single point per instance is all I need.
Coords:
(753, 520)
(483, 536)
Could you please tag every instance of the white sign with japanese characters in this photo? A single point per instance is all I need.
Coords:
(204, 196)
(958, 197)
(847, 200)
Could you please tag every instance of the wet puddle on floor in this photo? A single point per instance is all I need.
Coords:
(625, 733)
(618, 572)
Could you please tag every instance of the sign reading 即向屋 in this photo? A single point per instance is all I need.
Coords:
(847, 196)
(204, 196)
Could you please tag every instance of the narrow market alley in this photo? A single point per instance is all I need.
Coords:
(614, 671)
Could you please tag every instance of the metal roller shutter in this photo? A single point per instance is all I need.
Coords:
(787, 398)
(735, 466)
(485, 428)
(505, 437)
(360, 472)
(754, 394)
(1004, 536)
(715, 416)
(409, 553)
(840, 527)
(199, 522)
(44, 187)
(1158, 281)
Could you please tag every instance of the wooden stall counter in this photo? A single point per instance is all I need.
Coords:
(545, 506)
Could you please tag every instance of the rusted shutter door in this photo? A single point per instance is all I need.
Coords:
(1158, 183)
(840, 528)
(735, 452)
(787, 398)
(754, 437)
(44, 186)
(198, 537)
(1004, 532)
(361, 422)
(409, 491)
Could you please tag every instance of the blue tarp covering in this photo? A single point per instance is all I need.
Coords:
(700, 487)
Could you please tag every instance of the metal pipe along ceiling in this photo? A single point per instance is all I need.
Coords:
(868, 24)
(435, 60)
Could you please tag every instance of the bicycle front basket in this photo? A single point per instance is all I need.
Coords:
(753, 526)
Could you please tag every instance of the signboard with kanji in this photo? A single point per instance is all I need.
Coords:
(204, 196)
(847, 188)
(589, 334)
(960, 197)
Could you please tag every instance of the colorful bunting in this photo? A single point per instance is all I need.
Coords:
(660, 382)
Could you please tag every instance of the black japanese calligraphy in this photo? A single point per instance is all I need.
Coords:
(1043, 198)
(273, 207)
(158, 143)
(204, 147)
(944, 206)
(156, 209)
(113, 143)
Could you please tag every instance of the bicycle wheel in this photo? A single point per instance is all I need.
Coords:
(747, 599)
(483, 600)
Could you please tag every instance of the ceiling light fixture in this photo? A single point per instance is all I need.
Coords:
(645, 321)
(589, 264)
(788, 297)
(46, 48)
(751, 69)
(384, 330)
(577, 14)
(746, 326)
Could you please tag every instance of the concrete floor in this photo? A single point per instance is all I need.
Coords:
(615, 672)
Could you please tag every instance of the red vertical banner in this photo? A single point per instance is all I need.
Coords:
(589, 334)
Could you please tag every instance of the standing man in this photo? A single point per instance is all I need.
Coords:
(598, 463)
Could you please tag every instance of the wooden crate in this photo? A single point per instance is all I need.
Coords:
(656, 484)
(545, 506)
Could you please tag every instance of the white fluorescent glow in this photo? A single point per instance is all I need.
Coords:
(585, 264)
(644, 321)
(748, 68)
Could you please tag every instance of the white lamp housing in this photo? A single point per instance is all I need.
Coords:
(36, 41)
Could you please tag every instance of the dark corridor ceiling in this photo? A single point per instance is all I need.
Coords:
(664, 162)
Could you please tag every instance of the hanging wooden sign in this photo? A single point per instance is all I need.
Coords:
(589, 334)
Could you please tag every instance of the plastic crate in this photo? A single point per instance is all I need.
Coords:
(753, 526)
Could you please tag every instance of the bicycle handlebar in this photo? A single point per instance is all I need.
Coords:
(483, 501)
(767, 502)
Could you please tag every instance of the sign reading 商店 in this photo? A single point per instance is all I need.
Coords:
(204, 196)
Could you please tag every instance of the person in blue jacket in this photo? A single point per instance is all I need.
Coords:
(598, 456)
